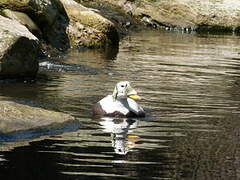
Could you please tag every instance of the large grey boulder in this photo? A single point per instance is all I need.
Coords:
(18, 50)
(18, 117)
(194, 14)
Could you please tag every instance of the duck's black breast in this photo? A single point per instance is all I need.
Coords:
(98, 110)
(130, 114)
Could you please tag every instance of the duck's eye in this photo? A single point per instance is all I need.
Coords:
(122, 85)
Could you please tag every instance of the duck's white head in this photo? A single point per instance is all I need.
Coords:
(123, 90)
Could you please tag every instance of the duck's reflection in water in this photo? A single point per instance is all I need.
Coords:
(121, 133)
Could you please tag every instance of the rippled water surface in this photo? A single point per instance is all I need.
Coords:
(189, 84)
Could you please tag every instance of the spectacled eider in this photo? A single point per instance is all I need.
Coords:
(120, 104)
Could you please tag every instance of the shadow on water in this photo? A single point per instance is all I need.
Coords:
(190, 88)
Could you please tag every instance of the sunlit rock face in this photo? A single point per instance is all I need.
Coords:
(18, 50)
(88, 28)
(214, 15)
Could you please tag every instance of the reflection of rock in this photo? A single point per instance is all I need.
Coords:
(18, 52)
(119, 129)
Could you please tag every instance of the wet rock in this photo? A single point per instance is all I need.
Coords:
(17, 117)
(18, 50)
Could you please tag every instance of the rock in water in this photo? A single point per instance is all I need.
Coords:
(18, 50)
(17, 117)
(200, 15)
(88, 28)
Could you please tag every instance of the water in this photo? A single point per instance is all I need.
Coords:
(189, 84)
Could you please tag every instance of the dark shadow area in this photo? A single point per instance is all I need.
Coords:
(54, 34)
(20, 60)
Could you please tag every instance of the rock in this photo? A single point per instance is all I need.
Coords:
(48, 15)
(42, 11)
(66, 23)
(24, 19)
(184, 14)
(217, 15)
(17, 117)
(51, 18)
(45, 12)
(18, 50)
(18, 5)
(88, 28)
(124, 22)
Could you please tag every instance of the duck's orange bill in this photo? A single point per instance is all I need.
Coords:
(135, 97)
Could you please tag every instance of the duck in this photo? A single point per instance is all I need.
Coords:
(121, 103)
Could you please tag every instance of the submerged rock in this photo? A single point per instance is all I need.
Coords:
(18, 50)
(17, 117)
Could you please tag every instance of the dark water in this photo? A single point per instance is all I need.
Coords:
(190, 88)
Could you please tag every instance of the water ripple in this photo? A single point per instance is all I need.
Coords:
(190, 88)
